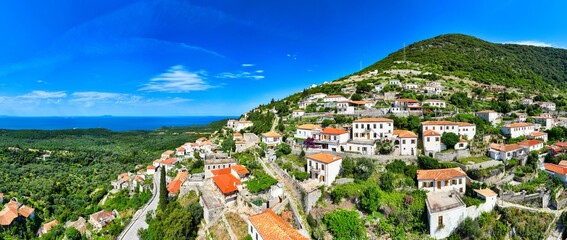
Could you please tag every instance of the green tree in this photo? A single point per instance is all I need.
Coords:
(356, 97)
(326, 122)
(387, 182)
(500, 230)
(162, 189)
(470, 228)
(344, 224)
(228, 145)
(370, 201)
(72, 234)
(449, 139)
(283, 149)
(364, 168)
(347, 167)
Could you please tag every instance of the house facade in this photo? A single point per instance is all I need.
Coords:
(435, 103)
(372, 128)
(306, 131)
(271, 138)
(267, 225)
(331, 139)
(324, 167)
(515, 130)
(405, 142)
(507, 151)
(490, 116)
(449, 179)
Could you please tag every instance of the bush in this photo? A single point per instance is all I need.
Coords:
(470, 228)
(449, 139)
(397, 166)
(387, 182)
(260, 182)
(344, 224)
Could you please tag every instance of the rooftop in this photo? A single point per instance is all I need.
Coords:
(505, 147)
(438, 123)
(530, 142)
(556, 168)
(431, 133)
(374, 120)
(441, 201)
(271, 134)
(440, 174)
(226, 183)
(515, 125)
(333, 131)
(405, 134)
(309, 126)
(324, 157)
(271, 226)
(486, 192)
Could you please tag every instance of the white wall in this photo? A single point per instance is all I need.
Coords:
(467, 132)
(444, 187)
(377, 130)
(451, 220)
(431, 144)
(253, 232)
(406, 146)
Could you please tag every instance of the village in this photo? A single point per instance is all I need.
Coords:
(268, 185)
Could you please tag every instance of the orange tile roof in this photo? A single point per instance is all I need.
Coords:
(240, 170)
(530, 142)
(428, 133)
(271, 226)
(271, 134)
(335, 96)
(181, 176)
(440, 174)
(486, 192)
(237, 134)
(405, 134)
(465, 124)
(515, 125)
(374, 120)
(174, 186)
(439, 123)
(50, 225)
(324, 157)
(168, 161)
(25, 211)
(168, 152)
(181, 149)
(309, 126)
(563, 163)
(561, 144)
(556, 168)
(226, 183)
(538, 134)
(151, 167)
(486, 111)
(505, 147)
(7, 216)
(462, 140)
(221, 171)
(333, 131)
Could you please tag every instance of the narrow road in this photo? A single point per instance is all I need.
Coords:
(139, 219)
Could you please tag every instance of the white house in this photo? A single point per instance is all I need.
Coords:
(372, 128)
(467, 130)
(532, 145)
(556, 170)
(405, 142)
(271, 138)
(405, 104)
(547, 105)
(334, 98)
(442, 180)
(242, 124)
(515, 130)
(180, 151)
(151, 169)
(538, 135)
(432, 142)
(445, 211)
(488, 115)
(306, 131)
(331, 139)
(267, 225)
(324, 167)
(544, 121)
(506, 151)
(101, 218)
(435, 103)
(345, 107)
(379, 87)
(411, 86)
(395, 82)
(316, 96)
(304, 104)
(297, 113)
(526, 101)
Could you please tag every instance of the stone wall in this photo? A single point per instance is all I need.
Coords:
(307, 199)
(452, 155)
(481, 165)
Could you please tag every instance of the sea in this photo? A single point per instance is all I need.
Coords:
(113, 123)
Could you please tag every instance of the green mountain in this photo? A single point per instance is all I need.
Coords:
(465, 56)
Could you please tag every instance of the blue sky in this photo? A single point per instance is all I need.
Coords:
(205, 57)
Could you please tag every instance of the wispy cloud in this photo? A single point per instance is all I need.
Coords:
(260, 71)
(241, 75)
(38, 94)
(178, 80)
(532, 43)
(91, 98)
(248, 64)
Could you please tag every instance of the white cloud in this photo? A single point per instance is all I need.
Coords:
(248, 64)
(240, 75)
(532, 43)
(260, 71)
(177, 80)
(38, 94)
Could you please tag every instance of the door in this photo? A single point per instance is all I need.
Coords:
(439, 185)
(321, 178)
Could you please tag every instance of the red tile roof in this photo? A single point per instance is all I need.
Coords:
(151, 167)
(438, 123)
(50, 225)
(333, 131)
(168, 161)
(407, 100)
(239, 169)
(405, 134)
(440, 174)
(221, 171)
(505, 147)
(324, 157)
(374, 120)
(556, 168)
(515, 125)
(226, 183)
(428, 133)
(174, 186)
(271, 226)
(530, 143)
(538, 134)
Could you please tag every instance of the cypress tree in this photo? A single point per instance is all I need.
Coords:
(162, 189)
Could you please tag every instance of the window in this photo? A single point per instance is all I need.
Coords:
(375, 135)
(437, 139)
(427, 139)
(323, 167)
(413, 141)
(374, 125)
(453, 182)
(404, 141)
(355, 125)
(461, 181)
(251, 229)
(440, 221)
(424, 184)
(380, 125)
(460, 189)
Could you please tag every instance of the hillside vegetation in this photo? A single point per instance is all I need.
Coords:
(465, 56)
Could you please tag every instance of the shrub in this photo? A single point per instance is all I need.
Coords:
(344, 224)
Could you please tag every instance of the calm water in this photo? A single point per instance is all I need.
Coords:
(112, 123)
